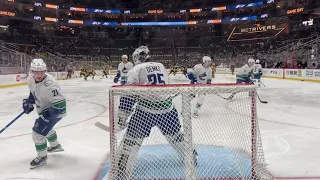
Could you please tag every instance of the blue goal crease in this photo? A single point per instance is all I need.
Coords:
(162, 161)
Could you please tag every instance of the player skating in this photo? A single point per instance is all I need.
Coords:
(232, 69)
(105, 73)
(257, 72)
(244, 75)
(184, 71)
(50, 103)
(174, 70)
(201, 74)
(123, 69)
(92, 73)
(149, 112)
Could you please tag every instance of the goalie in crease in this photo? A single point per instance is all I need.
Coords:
(149, 111)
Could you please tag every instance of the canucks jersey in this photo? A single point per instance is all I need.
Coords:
(200, 74)
(257, 71)
(244, 74)
(47, 94)
(123, 69)
(155, 74)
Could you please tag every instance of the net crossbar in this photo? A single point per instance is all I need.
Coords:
(185, 132)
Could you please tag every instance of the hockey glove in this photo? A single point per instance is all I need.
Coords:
(27, 106)
(116, 78)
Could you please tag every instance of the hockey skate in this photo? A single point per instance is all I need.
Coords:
(57, 148)
(38, 161)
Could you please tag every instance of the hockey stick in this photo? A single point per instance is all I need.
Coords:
(8, 125)
(102, 126)
(264, 102)
(262, 83)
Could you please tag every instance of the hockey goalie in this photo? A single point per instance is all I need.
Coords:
(156, 111)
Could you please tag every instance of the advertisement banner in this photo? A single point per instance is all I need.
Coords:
(316, 73)
(245, 32)
(299, 73)
(291, 73)
(309, 73)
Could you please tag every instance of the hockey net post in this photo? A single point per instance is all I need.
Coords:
(225, 135)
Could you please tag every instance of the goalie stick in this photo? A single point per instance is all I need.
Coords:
(232, 95)
(102, 126)
(264, 102)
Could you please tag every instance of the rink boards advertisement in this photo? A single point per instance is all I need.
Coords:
(290, 74)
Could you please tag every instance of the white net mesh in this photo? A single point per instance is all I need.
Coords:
(185, 132)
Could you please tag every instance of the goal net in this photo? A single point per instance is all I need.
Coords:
(190, 132)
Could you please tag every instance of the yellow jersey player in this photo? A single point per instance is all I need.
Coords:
(88, 73)
(82, 72)
(174, 70)
(184, 71)
(105, 73)
(213, 68)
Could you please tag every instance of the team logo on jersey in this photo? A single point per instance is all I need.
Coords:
(125, 70)
(48, 83)
(203, 76)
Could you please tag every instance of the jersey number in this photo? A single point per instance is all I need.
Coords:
(156, 78)
(55, 92)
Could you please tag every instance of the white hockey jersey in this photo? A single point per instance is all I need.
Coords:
(257, 68)
(124, 68)
(47, 93)
(244, 73)
(151, 73)
(202, 74)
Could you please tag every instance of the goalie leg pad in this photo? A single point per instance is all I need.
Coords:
(126, 158)
(121, 120)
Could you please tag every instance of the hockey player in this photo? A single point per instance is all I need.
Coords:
(232, 69)
(157, 110)
(83, 72)
(50, 103)
(173, 70)
(257, 72)
(201, 74)
(244, 75)
(123, 69)
(245, 72)
(105, 72)
(214, 69)
(184, 71)
(69, 69)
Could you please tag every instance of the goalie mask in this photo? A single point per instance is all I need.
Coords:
(141, 54)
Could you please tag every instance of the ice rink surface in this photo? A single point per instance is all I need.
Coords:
(289, 124)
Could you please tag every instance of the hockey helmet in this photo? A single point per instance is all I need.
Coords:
(124, 57)
(38, 65)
